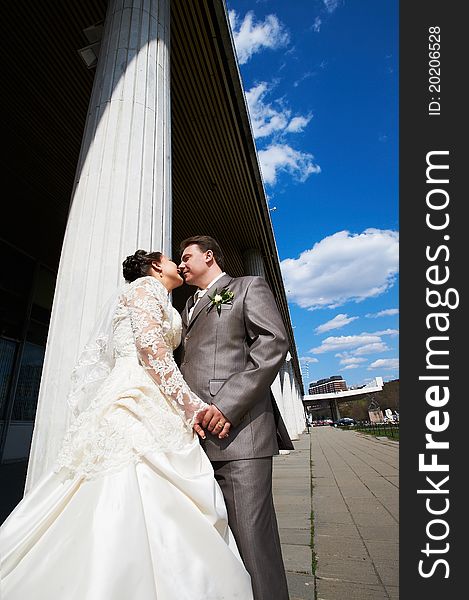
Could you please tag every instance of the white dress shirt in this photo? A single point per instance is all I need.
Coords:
(201, 293)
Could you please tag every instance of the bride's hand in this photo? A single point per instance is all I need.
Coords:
(197, 427)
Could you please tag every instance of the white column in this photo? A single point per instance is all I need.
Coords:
(299, 411)
(290, 420)
(278, 395)
(254, 265)
(121, 200)
(276, 388)
(288, 406)
(294, 402)
(296, 410)
(253, 262)
(302, 409)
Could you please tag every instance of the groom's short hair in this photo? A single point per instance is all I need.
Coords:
(205, 242)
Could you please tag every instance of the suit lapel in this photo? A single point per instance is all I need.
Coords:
(184, 314)
(204, 302)
(186, 309)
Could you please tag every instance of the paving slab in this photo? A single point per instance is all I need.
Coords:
(301, 587)
(332, 589)
(297, 558)
(343, 547)
(301, 537)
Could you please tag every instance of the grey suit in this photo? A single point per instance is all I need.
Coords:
(231, 359)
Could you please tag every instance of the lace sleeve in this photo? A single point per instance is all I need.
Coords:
(145, 302)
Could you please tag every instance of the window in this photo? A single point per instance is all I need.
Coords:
(26, 295)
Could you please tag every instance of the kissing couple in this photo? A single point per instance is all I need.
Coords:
(162, 489)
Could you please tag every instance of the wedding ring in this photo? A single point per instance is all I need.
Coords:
(220, 424)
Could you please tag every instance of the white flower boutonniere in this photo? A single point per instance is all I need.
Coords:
(224, 296)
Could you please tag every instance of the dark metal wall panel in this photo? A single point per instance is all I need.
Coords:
(44, 100)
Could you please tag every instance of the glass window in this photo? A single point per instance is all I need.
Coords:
(26, 296)
(7, 360)
(27, 389)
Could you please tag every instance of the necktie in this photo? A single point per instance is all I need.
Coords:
(191, 302)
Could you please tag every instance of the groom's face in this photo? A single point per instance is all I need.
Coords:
(194, 265)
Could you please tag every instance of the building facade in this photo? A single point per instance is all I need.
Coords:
(332, 384)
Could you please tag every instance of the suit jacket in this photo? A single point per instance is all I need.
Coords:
(231, 359)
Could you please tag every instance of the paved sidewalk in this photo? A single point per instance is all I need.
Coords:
(355, 499)
(292, 499)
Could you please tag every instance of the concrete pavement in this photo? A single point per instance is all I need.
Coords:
(351, 483)
(292, 498)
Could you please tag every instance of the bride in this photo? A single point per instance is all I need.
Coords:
(132, 508)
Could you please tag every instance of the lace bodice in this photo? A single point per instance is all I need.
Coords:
(168, 317)
(135, 410)
(154, 327)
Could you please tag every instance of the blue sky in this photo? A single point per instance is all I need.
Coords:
(321, 83)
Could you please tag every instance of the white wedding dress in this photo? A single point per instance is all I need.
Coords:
(132, 510)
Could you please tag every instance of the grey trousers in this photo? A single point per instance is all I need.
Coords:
(247, 488)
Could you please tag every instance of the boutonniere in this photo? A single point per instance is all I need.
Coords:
(224, 296)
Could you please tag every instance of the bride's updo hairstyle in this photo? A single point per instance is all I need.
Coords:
(138, 264)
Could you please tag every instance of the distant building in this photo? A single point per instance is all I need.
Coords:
(336, 383)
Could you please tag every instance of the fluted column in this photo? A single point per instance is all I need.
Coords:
(300, 413)
(121, 199)
(290, 420)
(294, 402)
(277, 392)
(278, 395)
(253, 262)
(299, 421)
(254, 265)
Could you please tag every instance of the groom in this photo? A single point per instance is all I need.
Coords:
(234, 344)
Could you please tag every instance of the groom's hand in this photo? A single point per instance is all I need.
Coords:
(216, 422)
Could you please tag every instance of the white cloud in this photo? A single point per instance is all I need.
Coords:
(351, 360)
(271, 118)
(297, 124)
(267, 120)
(387, 332)
(308, 359)
(336, 323)
(371, 349)
(331, 5)
(282, 157)
(384, 363)
(306, 75)
(348, 346)
(344, 342)
(342, 267)
(317, 24)
(388, 312)
(251, 37)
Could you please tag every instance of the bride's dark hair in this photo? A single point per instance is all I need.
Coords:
(138, 264)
